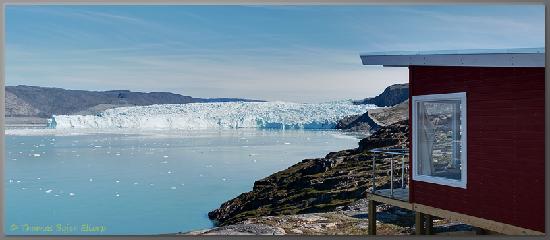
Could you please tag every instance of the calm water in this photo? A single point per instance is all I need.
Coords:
(146, 183)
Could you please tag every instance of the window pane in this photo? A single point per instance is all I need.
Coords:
(438, 139)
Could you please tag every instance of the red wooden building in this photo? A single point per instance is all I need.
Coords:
(477, 137)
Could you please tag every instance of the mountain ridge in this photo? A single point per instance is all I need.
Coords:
(36, 101)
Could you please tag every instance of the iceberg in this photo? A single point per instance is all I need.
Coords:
(195, 116)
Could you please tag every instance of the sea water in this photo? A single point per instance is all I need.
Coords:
(155, 182)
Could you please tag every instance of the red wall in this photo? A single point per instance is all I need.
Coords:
(505, 145)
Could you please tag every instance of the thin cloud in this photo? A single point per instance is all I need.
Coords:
(291, 53)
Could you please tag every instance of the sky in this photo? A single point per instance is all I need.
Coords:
(284, 53)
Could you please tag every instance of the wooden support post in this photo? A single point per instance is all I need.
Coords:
(372, 217)
(419, 223)
(429, 224)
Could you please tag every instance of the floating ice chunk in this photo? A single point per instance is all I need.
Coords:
(11, 181)
(97, 146)
(169, 172)
(287, 143)
(136, 183)
(71, 194)
(91, 180)
(223, 179)
(117, 195)
(48, 191)
(37, 178)
(254, 160)
(57, 195)
(36, 155)
(18, 181)
(165, 156)
(118, 154)
(173, 188)
(117, 181)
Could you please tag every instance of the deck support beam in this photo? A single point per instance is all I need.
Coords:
(429, 224)
(418, 223)
(372, 217)
(490, 226)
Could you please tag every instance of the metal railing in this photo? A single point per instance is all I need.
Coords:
(393, 152)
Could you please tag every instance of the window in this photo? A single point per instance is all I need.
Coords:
(439, 139)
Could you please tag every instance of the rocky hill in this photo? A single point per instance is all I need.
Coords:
(315, 185)
(33, 101)
(391, 96)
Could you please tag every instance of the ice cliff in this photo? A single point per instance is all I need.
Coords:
(273, 115)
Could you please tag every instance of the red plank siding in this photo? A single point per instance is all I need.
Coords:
(505, 143)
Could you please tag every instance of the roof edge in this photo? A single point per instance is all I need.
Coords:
(535, 57)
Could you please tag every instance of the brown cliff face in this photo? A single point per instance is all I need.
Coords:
(315, 185)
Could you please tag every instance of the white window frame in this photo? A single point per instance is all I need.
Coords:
(461, 96)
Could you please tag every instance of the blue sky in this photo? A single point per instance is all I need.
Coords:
(290, 53)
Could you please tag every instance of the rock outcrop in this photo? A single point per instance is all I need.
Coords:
(315, 185)
(358, 123)
(391, 96)
(373, 119)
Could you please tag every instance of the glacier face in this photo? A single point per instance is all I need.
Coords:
(192, 116)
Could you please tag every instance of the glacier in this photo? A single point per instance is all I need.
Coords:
(195, 116)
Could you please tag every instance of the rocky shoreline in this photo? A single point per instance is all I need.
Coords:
(315, 185)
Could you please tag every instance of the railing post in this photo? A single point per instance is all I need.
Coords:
(373, 172)
(403, 171)
(391, 177)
